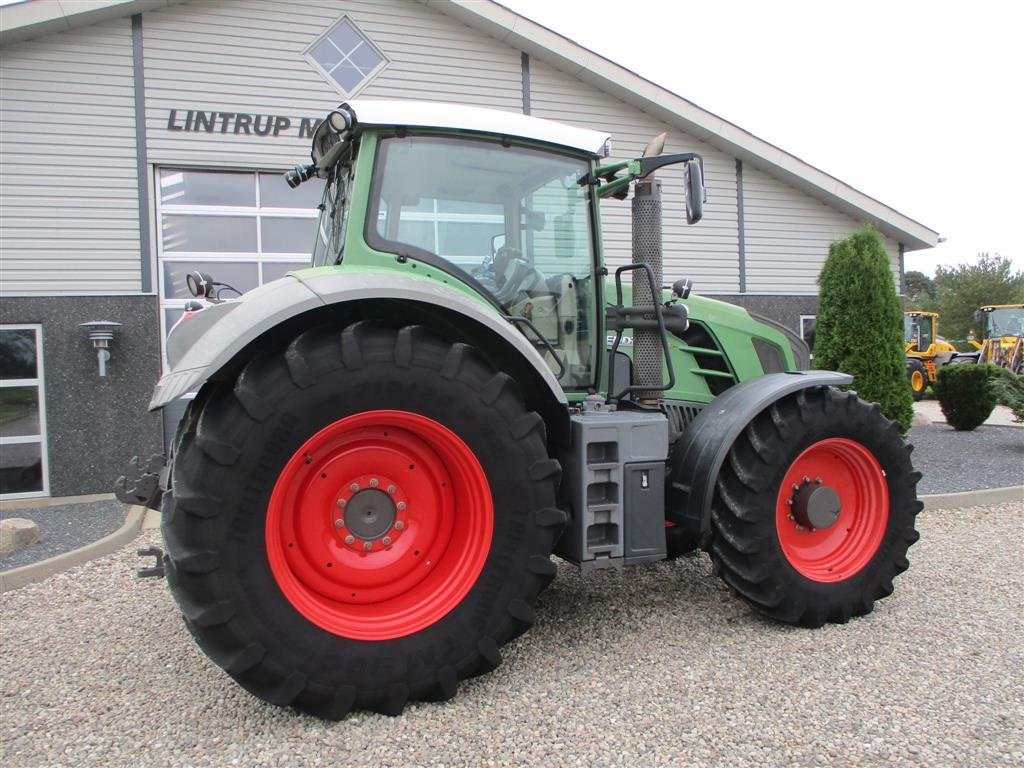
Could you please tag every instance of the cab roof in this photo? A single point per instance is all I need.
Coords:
(428, 114)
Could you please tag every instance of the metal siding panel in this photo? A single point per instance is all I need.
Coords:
(67, 164)
(246, 56)
(788, 235)
(706, 252)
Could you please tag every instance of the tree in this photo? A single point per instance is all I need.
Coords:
(960, 290)
(918, 290)
(859, 329)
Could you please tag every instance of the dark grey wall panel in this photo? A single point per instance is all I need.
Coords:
(94, 424)
(781, 309)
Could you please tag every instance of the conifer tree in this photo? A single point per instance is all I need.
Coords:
(859, 329)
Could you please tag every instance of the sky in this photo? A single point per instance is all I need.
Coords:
(917, 104)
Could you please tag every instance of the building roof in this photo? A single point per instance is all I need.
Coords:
(39, 17)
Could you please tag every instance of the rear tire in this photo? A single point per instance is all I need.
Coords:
(917, 374)
(795, 572)
(360, 520)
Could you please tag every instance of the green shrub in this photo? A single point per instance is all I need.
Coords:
(859, 329)
(1009, 389)
(966, 394)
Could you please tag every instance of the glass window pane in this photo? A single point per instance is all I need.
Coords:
(275, 270)
(228, 234)
(275, 192)
(18, 353)
(281, 235)
(238, 274)
(347, 75)
(418, 233)
(345, 37)
(21, 468)
(365, 58)
(206, 188)
(19, 412)
(464, 239)
(470, 206)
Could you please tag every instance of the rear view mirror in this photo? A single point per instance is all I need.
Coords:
(696, 195)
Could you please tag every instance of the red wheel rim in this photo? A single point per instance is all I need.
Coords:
(842, 549)
(379, 525)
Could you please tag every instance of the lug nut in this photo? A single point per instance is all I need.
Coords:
(373, 482)
(350, 539)
(817, 480)
(386, 541)
(341, 502)
(339, 523)
(368, 546)
(400, 506)
(399, 525)
(789, 502)
(354, 487)
(391, 490)
(796, 487)
(799, 527)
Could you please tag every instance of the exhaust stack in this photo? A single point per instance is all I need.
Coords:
(647, 249)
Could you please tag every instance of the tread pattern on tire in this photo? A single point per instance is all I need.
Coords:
(202, 513)
(744, 544)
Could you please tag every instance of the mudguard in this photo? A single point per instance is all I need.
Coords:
(700, 451)
(200, 346)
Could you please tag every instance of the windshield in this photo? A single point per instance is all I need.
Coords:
(917, 329)
(330, 237)
(1005, 321)
(511, 221)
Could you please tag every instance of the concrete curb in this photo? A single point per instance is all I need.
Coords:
(140, 518)
(33, 572)
(973, 498)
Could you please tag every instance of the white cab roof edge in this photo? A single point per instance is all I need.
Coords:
(428, 114)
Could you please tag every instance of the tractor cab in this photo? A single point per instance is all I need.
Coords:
(919, 331)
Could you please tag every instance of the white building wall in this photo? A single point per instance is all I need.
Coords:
(247, 57)
(706, 252)
(788, 234)
(69, 212)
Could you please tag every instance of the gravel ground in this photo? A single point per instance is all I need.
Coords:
(64, 528)
(657, 665)
(987, 457)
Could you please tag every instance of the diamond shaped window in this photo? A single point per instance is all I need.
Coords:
(347, 56)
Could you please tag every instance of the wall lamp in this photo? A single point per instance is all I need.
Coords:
(101, 333)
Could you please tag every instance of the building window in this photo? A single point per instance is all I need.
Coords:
(807, 331)
(23, 468)
(346, 56)
(243, 228)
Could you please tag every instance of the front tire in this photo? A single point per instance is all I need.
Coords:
(360, 520)
(917, 375)
(814, 509)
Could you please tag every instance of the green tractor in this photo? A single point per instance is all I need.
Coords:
(385, 449)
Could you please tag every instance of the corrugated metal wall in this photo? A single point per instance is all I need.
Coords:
(68, 188)
(788, 234)
(247, 57)
(71, 223)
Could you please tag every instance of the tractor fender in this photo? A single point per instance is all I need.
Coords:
(200, 346)
(699, 452)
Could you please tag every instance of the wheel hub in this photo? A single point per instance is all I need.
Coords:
(369, 514)
(814, 505)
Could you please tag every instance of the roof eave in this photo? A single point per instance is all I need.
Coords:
(24, 21)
